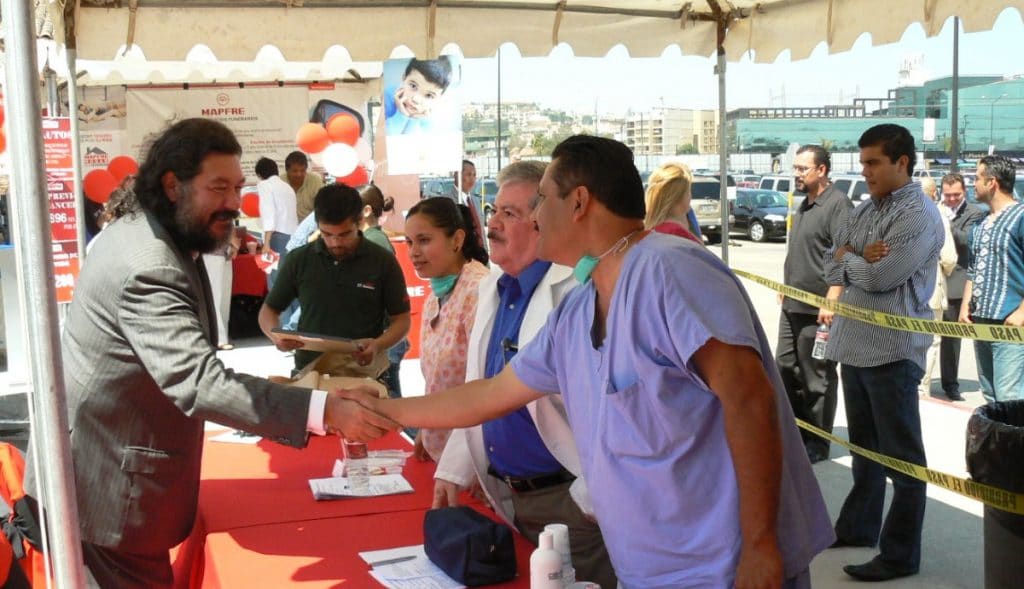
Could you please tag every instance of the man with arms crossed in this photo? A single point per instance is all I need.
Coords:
(526, 462)
(811, 384)
(141, 367)
(686, 439)
(886, 258)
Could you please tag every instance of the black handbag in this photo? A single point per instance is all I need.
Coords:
(469, 547)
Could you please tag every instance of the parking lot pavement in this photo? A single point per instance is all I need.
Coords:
(952, 544)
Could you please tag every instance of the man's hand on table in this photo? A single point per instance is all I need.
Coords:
(446, 494)
(351, 417)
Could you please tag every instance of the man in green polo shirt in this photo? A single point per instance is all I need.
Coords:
(345, 284)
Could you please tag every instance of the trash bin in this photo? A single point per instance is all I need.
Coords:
(995, 456)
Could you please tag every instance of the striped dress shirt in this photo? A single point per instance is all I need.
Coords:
(997, 264)
(901, 283)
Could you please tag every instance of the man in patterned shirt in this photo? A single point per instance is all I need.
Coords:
(885, 257)
(994, 291)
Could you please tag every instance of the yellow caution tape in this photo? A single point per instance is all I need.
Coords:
(998, 498)
(991, 333)
(991, 496)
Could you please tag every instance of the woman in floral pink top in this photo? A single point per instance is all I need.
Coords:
(444, 248)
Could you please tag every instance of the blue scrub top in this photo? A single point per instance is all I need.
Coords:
(650, 433)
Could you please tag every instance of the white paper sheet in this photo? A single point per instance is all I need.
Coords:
(338, 487)
(418, 573)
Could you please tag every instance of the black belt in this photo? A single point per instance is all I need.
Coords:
(524, 484)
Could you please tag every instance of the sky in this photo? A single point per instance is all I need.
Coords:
(615, 83)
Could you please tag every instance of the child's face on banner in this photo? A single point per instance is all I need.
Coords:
(417, 96)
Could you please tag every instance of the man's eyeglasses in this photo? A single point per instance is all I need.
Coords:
(801, 170)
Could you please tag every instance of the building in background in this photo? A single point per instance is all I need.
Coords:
(671, 131)
(991, 117)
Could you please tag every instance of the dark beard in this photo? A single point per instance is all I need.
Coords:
(192, 235)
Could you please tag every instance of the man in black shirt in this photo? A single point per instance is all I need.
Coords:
(811, 384)
(346, 285)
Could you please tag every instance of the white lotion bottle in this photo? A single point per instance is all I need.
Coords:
(546, 564)
(560, 533)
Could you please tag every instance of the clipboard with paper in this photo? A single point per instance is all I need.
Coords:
(319, 342)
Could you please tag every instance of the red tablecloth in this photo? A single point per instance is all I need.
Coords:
(247, 278)
(259, 526)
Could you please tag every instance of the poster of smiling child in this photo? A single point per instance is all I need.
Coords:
(422, 115)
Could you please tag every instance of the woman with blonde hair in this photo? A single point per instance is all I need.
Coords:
(668, 201)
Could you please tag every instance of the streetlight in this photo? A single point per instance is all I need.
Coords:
(991, 118)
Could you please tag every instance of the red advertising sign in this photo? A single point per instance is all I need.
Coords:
(60, 185)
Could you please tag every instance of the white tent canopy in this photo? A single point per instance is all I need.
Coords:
(303, 30)
(370, 30)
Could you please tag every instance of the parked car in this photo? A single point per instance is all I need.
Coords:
(431, 186)
(854, 185)
(487, 188)
(706, 205)
(777, 182)
(747, 180)
(936, 173)
(786, 185)
(761, 214)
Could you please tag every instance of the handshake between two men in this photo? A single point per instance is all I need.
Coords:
(353, 415)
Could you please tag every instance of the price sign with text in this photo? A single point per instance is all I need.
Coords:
(60, 186)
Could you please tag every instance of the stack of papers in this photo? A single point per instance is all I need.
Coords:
(407, 568)
(338, 487)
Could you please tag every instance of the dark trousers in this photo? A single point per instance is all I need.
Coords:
(949, 352)
(536, 509)
(811, 384)
(107, 568)
(883, 414)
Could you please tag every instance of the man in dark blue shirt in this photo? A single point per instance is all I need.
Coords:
(526, 462)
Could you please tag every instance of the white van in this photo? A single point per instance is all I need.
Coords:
(854, 185)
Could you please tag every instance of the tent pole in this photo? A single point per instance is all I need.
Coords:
(954, 149)
(76, 149)
(499, 118)
(50, 442)
(723, 142)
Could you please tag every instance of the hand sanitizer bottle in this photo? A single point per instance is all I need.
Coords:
(560, 532)
(546, 564)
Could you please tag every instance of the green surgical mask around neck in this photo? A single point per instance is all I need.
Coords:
(585, 266)
(442, 285)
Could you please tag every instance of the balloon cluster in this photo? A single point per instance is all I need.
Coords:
(98, 184)
(336, 144)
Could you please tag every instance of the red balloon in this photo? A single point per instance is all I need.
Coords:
(122, 166)
(312, 138)
(251, 204)
(358, 177)
(3, 142)
(343, 128)
(98, 185)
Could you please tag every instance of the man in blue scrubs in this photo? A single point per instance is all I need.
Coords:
(696, 470)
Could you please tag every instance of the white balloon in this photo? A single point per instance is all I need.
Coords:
(340, 159)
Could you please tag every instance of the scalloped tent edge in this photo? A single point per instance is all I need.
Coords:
(168, 29)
